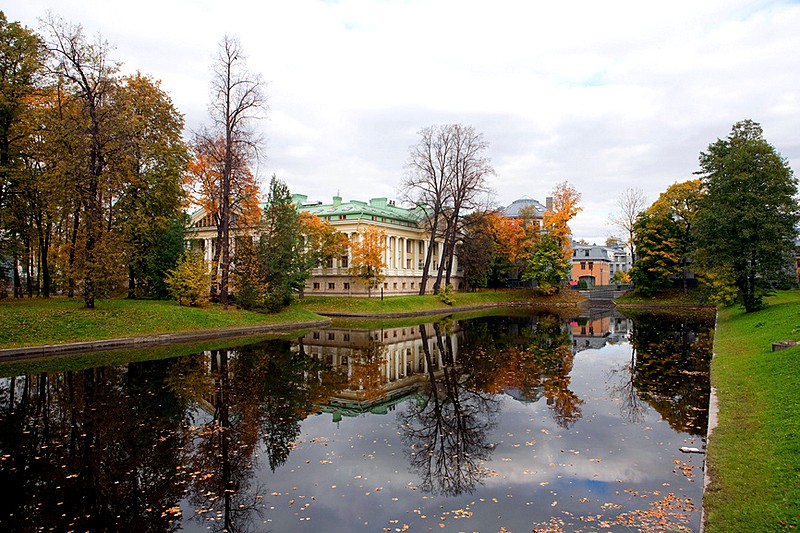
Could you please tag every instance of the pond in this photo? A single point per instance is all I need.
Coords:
(528, 421)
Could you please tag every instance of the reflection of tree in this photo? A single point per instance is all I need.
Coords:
(266, 390)
(221, 457)
(528, 357)
(445, 434)
(91, 450)
(549, 352)
(673, 352)
(632, 406)
(366, 376)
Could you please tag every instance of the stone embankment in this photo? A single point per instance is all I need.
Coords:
(50, 350)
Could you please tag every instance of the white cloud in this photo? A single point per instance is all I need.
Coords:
(606, 96)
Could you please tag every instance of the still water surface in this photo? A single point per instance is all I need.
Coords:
(537, 421)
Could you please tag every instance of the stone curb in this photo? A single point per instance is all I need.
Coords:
(713, 418)
(26, 352)
(447, 311)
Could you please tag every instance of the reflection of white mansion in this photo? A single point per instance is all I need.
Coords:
(398, 355)
(406, 245)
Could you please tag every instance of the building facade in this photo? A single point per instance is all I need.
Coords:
(406, 245)
(595, 265)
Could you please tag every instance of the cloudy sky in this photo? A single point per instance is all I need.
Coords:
(605, 95)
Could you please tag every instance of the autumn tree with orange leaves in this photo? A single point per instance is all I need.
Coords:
(323, 242)
(204, 184)
(368, 250)
(550, 261)
(489, 248)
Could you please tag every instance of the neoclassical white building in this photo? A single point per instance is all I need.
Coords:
(407, 242)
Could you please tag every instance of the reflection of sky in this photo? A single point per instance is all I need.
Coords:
(355, 475)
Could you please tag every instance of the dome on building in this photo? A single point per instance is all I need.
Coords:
(513, 210)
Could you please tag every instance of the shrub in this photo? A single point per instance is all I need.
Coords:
(446, 294)
(190, 282)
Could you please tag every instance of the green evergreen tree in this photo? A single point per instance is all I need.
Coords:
(748, 219)
(270, 271)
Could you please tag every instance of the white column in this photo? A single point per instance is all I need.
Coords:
(208, 253)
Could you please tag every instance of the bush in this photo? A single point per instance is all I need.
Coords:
(446, 294)
(190, 282)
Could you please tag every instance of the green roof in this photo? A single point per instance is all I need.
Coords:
(381, 208)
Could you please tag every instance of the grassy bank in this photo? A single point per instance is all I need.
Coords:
(667, 297)
(32, 322)
(413, 304)
(754, 453)
(60, 320)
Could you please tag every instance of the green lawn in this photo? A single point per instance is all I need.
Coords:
(666, 297)
(754, 453)
(414, 303)
(31, 322)
(59, 320)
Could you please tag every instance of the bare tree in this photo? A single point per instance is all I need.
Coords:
(631, 203)
(427, 182)
(471, 168)
(237, 102)
(447, 176)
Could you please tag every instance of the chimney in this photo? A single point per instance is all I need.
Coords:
(549, 203)
(337, 201)
(378, 202)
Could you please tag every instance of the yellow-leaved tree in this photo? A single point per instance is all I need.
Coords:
(368, 248)
(551, 258)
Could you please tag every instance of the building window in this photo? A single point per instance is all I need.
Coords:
(346, 285)
(590, 265)
(315, 335)
(316, 285)
(404, 284)
(345, 262)
(412, 284)
(331, 286)
(331, 336)
(329, 262)
(342, 217)
(385, 285)
(583, 265)
(346, 337)
(586, 253)
(394, 285)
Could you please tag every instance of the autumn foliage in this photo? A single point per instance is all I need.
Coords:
(368, 251)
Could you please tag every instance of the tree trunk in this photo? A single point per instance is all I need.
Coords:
(131, 283)
(28, 268)
(17, 280)
(72, 248)
(428, 256)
